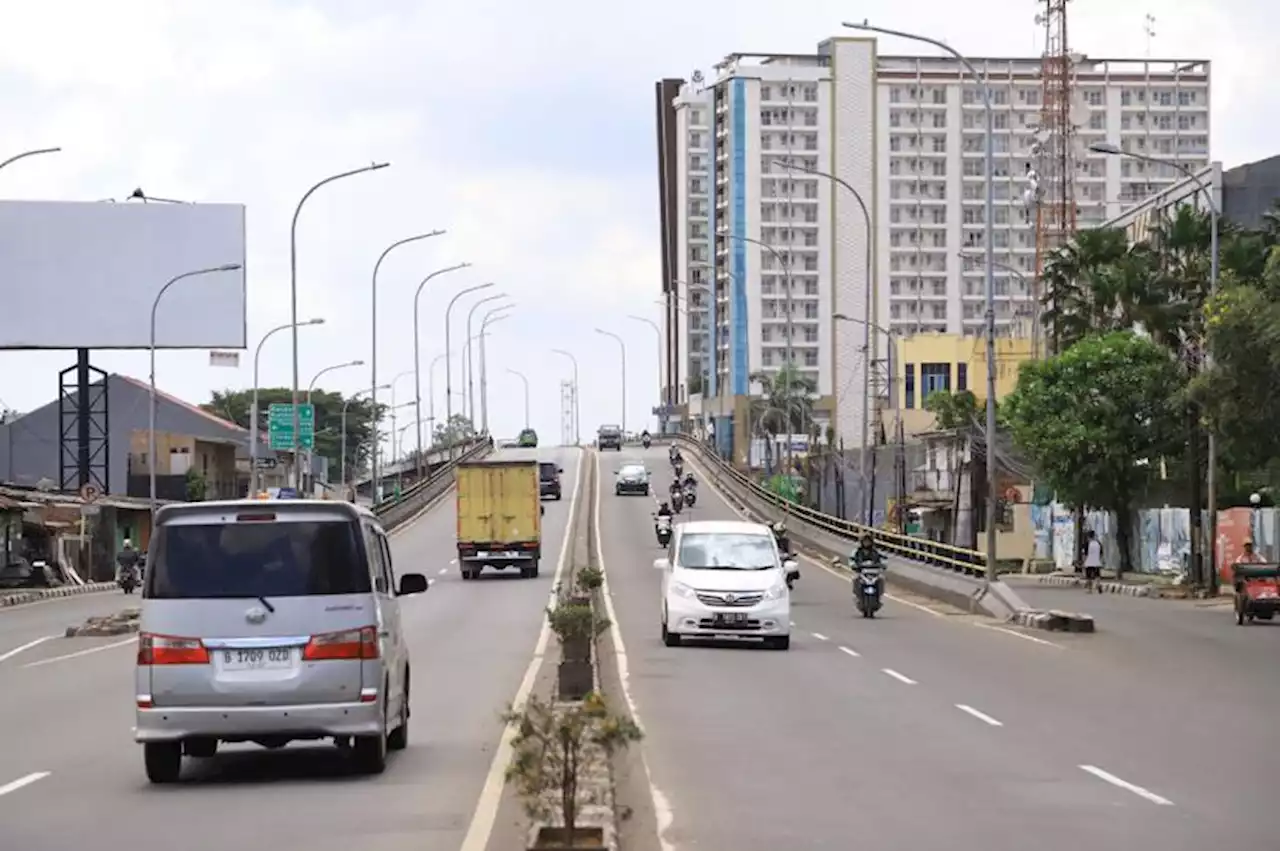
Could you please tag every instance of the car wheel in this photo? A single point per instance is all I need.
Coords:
(617, 491)
(779, 643)
(669, 638)
(398, 739)
(370, 752)
(163, 761)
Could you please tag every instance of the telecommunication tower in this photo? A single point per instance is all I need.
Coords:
(568, 411)
(1052, 171)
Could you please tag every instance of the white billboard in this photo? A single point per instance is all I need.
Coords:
(84, 275)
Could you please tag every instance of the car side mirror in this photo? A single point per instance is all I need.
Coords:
(662, 564)
(542, 510)
(412, 583)
(559, 469)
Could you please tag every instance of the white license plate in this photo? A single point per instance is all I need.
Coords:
(256, 658)
(1266, 593)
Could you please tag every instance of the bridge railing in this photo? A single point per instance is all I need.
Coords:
(396, 510)
(960, 560)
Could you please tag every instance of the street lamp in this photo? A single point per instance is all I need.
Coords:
(310, 388)
(662, 401)
(35, 153)
(155, 303)
(577, 419)
(1211, 482)
(373, 343)
(869, 342)
(622, 347)
(993, 484)
(374, 420)
(468, 359)
(431, 393)
(518, 374)
(293, 286)
(494, 315)
(448, 366)
(253, 414)
(417, 358)
(894, 402)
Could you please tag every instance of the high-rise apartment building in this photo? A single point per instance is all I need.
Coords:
(906, 134)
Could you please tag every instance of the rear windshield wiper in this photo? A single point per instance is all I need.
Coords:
(266, 604)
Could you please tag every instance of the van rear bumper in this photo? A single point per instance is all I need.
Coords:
(305, 721)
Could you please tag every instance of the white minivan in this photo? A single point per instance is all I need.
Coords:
(725, 579)
(269, 622)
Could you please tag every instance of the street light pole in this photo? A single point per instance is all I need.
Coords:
(253, 414)
(22, 156)
(993, 484)
(870, 344)
(1211, 483)
(658, 332)
(577, 420)
(448, 368)
(525, 379)
(310, 388)
(417, 359)
(373, 420)
(293, 287)
(155, 304)
(494, 315)
(468, 359)
(622, 347)
(373, 345)
(431, 394)
(891, 366)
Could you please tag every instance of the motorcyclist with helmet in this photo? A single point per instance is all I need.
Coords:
(780, 536)
(867, 554)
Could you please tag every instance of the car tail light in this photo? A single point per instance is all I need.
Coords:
(361, 643)
(170, 650)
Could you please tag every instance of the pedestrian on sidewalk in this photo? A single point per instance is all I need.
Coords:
(1092, 560)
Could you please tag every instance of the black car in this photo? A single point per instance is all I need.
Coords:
(609, 437)
(549, 479)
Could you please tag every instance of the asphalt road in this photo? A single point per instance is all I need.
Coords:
(71, 716)
(923, 729)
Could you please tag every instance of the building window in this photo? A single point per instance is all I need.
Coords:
(909, 385)
(934, 378)
(962, 377)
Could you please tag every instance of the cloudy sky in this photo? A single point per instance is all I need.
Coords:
(524, 129)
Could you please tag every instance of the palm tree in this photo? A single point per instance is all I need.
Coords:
(1081, 292)
(785, 405)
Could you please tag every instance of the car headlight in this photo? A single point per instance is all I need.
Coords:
(682, 590)
(777, 592)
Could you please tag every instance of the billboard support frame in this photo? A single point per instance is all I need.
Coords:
(84, 420)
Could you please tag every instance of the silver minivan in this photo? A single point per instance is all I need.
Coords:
(269, 622)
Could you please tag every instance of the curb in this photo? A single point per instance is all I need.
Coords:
(21, 597)
(1053, 621)
(1124, 589)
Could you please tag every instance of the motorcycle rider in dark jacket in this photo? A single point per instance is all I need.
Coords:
(866, 553)
(127, 561)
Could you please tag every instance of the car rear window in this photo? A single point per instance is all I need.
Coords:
(547, 471)
(227, 560)
(610, 431)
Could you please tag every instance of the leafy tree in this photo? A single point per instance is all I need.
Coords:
(694, 384)
(954, 410)
(197, 486)
(458, 429)
(234, 405)
(1095, 419)
(1081, 286)
(786, 405)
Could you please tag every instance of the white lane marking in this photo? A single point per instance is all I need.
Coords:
(1021, 635)
(819, 636)
(22, 781)
(793, 623)
(443, 571)
(981, 716)
(15, 651)
(486, 811)
(452, 561)
(79, 653)
(1127, 786)
(902, 678)
(661, 803)
(849, 651)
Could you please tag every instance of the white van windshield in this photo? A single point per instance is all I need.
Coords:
(247, 559)
(727, 551)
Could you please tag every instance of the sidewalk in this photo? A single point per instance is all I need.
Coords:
(18, 596)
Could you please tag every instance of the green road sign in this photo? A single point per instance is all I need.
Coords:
(280, 426)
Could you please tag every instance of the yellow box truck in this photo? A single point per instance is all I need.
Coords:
(499, 517)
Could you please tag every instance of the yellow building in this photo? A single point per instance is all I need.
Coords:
(928, 363)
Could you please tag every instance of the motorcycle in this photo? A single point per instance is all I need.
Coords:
(678, 468)
(690, 495)
(788, 558)
(677, 501)
(662, 528)
(128, 581)
(646, 442)
(867, 587)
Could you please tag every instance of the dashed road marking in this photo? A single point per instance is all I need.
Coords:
(902, 678)
(849, 651)
(981, 716)
(819, 636)
(1127, 786)
(22, 781)
(443, 571)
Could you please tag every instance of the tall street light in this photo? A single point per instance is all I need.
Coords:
(468, 359)
(622, 348)
(448, 367)
(894, 402)
(293, 288)
(373, 343)
(870, 344)
(373, 421)
(253, 414)
(431, 394)
(493, 316)
(1211, 484)
(311, 387)
(155, 303)
(577, 419)
(408, 373)
(993, 484)
(658, 333)
(524, 378)
(417, 357)
(22, 156)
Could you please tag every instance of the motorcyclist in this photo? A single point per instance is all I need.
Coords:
(690, 481)
(676, 489)
(644, 435)
(127, 561)
(664, 510)
(676, 457)
(780, 536)
(865, 552)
